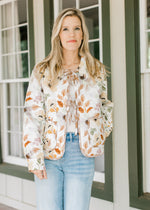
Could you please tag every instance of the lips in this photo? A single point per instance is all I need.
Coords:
(72, 41)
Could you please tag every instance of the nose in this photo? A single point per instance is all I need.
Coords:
(72, 32)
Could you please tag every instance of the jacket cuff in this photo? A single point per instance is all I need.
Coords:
(35, 164)
(107, 116)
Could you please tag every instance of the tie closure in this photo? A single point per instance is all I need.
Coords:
(72, 77)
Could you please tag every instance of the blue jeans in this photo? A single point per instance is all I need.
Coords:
(69, 182)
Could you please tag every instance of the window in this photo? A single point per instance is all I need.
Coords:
(15, 68)
(138, 100)
(96, 14)
(145, 86)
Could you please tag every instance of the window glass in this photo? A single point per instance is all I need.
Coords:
(148, 50)
(87, 3)
(7, 41)
(148, 34)
(21, 39)
(68, 4)
(94, 49)
(20, 12)
(13, 119)
(8, 67)
(145, 96)
(22, 65)
(148, 14)
(6, 20)
(91, 17)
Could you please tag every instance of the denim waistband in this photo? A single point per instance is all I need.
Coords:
(70, 136)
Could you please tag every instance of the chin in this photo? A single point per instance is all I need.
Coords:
(71, 48)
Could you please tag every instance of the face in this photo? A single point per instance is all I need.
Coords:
(71, 33)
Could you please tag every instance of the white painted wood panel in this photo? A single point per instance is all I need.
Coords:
(29, 192)
(2, 184)
(14, 187)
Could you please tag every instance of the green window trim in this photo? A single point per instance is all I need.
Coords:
(48, 23)
(99, 190)
(11, 169)
(138, 198)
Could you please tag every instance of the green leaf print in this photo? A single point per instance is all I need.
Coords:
(92, 131)
(39, 161)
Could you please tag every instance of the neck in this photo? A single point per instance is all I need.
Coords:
(70, 58)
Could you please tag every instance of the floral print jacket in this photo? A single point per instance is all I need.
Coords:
(46, 108)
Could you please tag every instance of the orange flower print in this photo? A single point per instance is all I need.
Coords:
(25, 137)
(81, 110)
(87, 103)
(27, 143)
(35, 150)
(52, 110)
(27, 99)
(57, 150)
(28, 93)
(89, 109)
(82, 98)
(34, 107)
(60, 103)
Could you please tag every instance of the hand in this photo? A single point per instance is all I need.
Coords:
(41, 174)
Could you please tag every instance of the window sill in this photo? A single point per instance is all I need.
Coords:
(15, 170)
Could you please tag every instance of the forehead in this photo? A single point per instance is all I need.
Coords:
(71, 20)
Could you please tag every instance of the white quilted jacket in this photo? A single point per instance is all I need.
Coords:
(46, 106)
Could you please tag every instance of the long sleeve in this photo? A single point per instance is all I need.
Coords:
(107, 107)
(33, 123)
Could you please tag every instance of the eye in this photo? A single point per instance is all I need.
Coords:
(77, 28)
(65, 29)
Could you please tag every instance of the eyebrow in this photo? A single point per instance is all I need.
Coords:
(75, 26)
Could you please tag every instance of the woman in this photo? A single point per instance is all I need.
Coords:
(67, 117)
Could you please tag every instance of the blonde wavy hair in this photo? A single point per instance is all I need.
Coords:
(54, 59)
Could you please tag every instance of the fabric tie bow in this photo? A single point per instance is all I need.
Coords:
(72, 78)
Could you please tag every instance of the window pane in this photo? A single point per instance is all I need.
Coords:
(99, 164)
(8, 67)
(148, 50)
(87, 3)
(20, 12)
(16, 93)
(145, 83)
(7, 41)
(94, 49)
(13, 144)
(21, 119)
(148, 13)
(13, 119)
(22, 65)
(68, 4)
(91, 18)
(21, 38)
(12, 94)
(145, 104)
(15, 66)
(22, 92)
(5, 18)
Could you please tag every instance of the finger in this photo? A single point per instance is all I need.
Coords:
(40, 174)
(44, 174)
